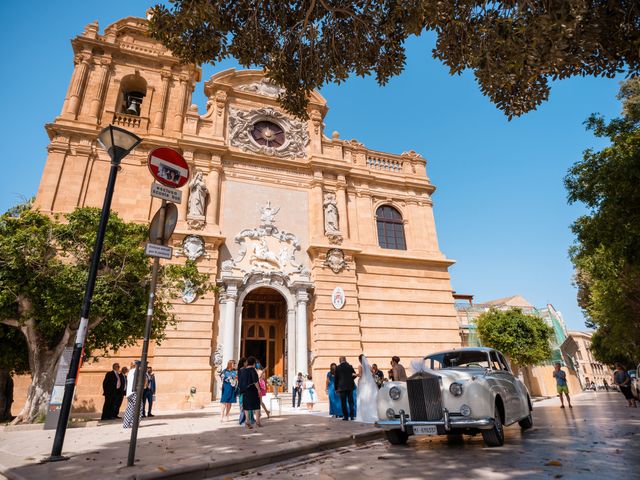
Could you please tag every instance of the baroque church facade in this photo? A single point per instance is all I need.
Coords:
(320, 246)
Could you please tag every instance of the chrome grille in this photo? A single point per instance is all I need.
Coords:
(425, 397)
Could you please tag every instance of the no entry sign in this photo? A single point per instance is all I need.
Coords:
(168, 167)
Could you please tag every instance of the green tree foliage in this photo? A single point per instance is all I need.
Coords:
(513, 47)
(43, 271)
(523, 338)
(606, 253)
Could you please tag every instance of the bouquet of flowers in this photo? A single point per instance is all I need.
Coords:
(275, 381)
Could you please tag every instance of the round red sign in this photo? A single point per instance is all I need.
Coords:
(168, 167)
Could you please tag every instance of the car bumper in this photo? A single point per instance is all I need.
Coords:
(444, 425)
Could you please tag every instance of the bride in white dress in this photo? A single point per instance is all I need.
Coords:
(367, 409)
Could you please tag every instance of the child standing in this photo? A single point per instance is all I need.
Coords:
(561, 384)
(309, 395)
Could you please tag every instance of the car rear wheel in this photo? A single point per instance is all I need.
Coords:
(526, 422)
(396, 437)
(495, 436)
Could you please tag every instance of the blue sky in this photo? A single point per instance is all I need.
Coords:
(500, 207)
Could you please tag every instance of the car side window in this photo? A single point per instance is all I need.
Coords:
(495, 363)
(505, 365)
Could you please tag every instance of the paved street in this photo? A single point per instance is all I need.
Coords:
(598, 438)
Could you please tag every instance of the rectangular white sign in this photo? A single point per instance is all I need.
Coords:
(166, 193)
(160, 251)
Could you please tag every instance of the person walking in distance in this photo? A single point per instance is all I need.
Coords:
(110, 386)
(121, 392)
(344, 385)
(297, 389)
(149, 391)
(561, 384)
(399, 373)
(623, 380)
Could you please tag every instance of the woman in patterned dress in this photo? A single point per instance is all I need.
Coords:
(132, 377)
(229, 377)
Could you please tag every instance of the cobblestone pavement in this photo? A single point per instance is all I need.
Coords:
(598, 438)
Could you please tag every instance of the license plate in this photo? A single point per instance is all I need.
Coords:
(425, 430)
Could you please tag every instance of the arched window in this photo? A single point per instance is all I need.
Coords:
(390, 228)
(133, 89)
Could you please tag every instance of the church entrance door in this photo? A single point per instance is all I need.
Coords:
(263, 330)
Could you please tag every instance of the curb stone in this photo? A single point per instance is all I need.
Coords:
(212, 469)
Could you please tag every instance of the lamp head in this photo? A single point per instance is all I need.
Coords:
(118, 142)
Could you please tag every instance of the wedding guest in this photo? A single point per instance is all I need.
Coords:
(229, 378)
(129, 413)
(262, 391)
(309, 395)
(623, 380)
(335, 409)
(110, 386)
(121, 392)
(378, 376)
(149, 391)
(297, 389)
(399, 373)
(242, 418)
(345, 386)
(606, 384)
(248, 384)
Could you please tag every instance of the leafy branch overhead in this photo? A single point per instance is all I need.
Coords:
(514, 47)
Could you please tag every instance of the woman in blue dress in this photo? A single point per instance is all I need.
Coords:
(335, 409)
(229, 377)
(335, 406)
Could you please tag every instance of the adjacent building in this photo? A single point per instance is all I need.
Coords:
(578, 347)
(538, 378)
(319, 245)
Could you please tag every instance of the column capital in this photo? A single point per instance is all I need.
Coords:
(302, 295)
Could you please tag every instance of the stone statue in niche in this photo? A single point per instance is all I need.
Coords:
(331, 218)
(197, 195)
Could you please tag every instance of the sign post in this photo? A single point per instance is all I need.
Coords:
(169, 168)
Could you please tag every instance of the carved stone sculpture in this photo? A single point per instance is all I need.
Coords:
(193, 247)
(197, 195)
(335, 260)
(189, 292)
(264, 87)
(331, 218)
(268, 214)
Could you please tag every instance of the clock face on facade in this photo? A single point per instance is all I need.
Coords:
(268, 134)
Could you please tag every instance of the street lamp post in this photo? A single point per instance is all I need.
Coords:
(118, 143)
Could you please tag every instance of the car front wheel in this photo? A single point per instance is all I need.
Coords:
(396, 437)
(526, 422)
(495, 436)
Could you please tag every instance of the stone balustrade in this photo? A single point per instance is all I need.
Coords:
(384, 163)
(129, 121)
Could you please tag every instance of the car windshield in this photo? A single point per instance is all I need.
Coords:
(458, 359)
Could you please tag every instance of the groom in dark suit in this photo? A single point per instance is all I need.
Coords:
(344, 385)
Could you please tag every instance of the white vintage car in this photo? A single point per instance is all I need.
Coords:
(461, 391)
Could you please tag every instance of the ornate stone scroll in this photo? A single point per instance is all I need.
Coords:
(335, 260)
(265, 87)
(193, 247)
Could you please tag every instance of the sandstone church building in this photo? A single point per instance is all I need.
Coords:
(320, 246)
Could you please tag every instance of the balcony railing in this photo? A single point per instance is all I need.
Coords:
(385, 164)
(129, 121)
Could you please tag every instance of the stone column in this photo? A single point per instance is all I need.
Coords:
(78, 82)
(182, 92)
(341, 199)
(183, 208)
(316, 210)
(158, 116)
(213, 185)
(292, 372)
(229, 327)
(96, 101)
(353, 215)
(302, 347)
